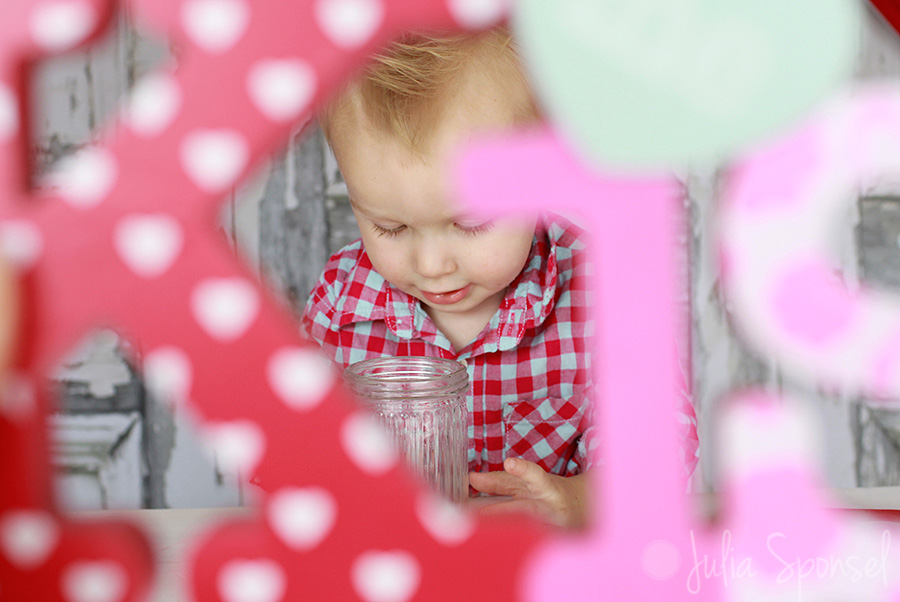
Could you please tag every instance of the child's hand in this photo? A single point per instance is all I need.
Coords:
(560, 501)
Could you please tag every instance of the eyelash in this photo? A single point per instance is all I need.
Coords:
(472, 231)
(479, 229)
(387, 233)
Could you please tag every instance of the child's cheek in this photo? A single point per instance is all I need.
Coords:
(385, 260)
(497, 266)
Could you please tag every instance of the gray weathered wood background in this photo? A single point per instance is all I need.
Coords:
(115, 447)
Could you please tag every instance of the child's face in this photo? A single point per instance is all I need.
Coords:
(417, 238)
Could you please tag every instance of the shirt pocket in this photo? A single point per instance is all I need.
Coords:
(544, 431)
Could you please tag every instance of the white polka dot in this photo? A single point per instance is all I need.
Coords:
(148, 244)
(476, 14)
(85, 178)
(59, 25)
(391, 576)
(281, 89)
(367, 444)
(300, 377)
(349, 23)
(302, 517)
(446, 522)
(786, 430)
(215, 25)
(213, 159)
(154, 104)
(18, 399)
(94, 581)
(660, 559)
(168, 374)
(21, 242)
(9, 114)
(260, 580)
(28, 537)
(225, 307)
(237, 446)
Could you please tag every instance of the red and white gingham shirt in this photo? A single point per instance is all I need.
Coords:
(529, 369)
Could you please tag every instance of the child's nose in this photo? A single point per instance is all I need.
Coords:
(434, 259)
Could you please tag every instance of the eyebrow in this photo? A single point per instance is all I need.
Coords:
(465, 217)
(354, 204)
(368, 213)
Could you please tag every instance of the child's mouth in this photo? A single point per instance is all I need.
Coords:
(447, 298)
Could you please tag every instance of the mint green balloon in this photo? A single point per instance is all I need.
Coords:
(654, 83)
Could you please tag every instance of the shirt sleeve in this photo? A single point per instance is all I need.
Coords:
(586, 455)
(315, 322)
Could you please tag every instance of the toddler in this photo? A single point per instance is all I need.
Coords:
(507, 297)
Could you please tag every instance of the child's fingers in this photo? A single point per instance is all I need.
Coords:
(535, 478)
(497, 483)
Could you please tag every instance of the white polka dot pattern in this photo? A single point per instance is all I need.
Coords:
(660, 559)
(100, 581)
(154, 104)
(386, 576)
(237, 446)
(215, 25)
(448, 523)
(9, 114)
(167, 374)
(367, 444)
(476, 14)
(349, 23)
(28, 538)
(21, 242)
(84, 179)
(252, 581)
(302, 517)
(281, 89)
(225, 307)
(18, 400)
(148, 244)
(788, 436)
(300, 377)
(58, 25)
(213, 159)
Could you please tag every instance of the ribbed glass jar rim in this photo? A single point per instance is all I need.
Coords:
(411, 377)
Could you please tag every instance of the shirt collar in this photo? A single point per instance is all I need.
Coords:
(529, 299)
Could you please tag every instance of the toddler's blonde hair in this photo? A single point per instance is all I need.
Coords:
(405, 90)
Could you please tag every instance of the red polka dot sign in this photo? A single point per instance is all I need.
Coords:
(127, 240)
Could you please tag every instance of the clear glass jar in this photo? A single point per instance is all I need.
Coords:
(421, 401)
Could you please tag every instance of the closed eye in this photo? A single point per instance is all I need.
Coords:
(387, 232)
(477, 229)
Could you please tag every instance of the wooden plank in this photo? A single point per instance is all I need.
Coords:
(878, 429)
(99, 461)
(878, 446)
(879, 241)
(293, 225)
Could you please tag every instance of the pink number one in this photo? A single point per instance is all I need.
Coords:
(773, 531)
(641, 520)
